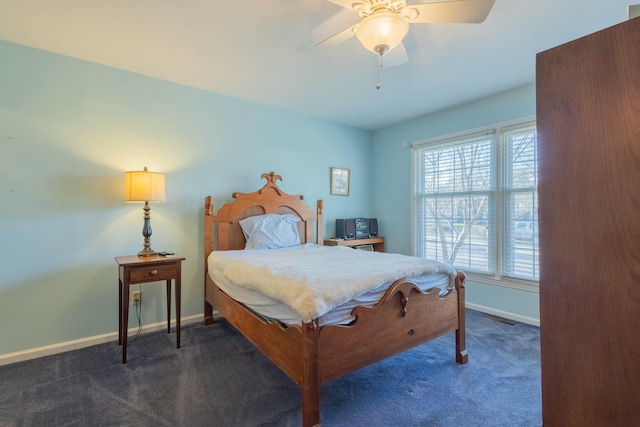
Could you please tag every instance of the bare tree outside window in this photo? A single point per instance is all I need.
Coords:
(464, 169)
(475, 201)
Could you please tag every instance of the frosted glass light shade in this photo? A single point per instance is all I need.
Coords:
(144, 186)
(382, 31)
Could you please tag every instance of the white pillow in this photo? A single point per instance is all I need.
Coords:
(270, 231)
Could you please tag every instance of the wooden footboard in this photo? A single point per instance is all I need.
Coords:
(404, 318)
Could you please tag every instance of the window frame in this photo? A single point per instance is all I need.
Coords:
(499, 199)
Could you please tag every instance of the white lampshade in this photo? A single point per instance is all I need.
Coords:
(382, 31)
(144, 186)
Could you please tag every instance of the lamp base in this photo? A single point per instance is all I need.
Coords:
(147, 252)
(146, 232)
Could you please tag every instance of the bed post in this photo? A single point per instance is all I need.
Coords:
(319, 222)
(310, 375)
(461, 344)
(208, 248)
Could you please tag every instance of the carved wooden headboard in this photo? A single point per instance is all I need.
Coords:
(269, 199)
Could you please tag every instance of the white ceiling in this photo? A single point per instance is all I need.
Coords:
(261, 50)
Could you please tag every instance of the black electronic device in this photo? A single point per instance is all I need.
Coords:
(373, 227)
(346, 229)
(362, 228)
(356, 228)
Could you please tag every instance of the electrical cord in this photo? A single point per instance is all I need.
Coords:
(138, 316)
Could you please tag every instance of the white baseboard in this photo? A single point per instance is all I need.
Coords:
(34, 353)
(505, 314)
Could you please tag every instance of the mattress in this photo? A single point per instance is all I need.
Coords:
(275, 309)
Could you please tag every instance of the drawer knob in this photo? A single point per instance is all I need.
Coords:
(154, 272)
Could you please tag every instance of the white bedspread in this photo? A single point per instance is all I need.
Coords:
(315, 279)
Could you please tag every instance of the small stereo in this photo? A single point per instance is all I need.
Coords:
(362, 228)
(356, 228)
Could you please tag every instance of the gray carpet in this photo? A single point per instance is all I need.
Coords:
(218, 379)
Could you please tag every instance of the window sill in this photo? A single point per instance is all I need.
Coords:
(507, 282)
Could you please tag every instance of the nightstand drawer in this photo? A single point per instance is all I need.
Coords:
(153, 273)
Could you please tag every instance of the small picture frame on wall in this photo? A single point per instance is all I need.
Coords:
(340, 181)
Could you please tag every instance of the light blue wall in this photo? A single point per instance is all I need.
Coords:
(68, 131)
(392, 182)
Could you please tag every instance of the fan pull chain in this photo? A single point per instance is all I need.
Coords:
(379, 67)
(381, 49)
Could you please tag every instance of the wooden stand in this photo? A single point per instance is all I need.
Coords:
(376, 242)
(135, 269)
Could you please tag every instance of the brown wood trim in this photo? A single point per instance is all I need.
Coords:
(282, 345)
(376, 242)
(310, 374)
(344, 349)
(462, 356)
(208, 248)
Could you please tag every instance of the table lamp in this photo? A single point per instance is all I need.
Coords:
(147, 187)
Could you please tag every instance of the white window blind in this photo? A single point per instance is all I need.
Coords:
(453, 198)
(520, 238)
(474, 202)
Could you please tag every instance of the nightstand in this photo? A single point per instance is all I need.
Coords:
(133, 270)
(376, 242)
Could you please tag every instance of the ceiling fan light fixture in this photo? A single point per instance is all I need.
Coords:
(382, 31)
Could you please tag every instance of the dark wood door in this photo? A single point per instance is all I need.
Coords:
(588, 117)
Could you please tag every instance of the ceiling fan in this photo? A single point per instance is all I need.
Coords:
(384, 23)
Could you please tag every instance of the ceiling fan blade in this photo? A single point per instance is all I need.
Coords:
(344, 3)
(338, 37)
(396, 56)
(336, 29)
(461, 11)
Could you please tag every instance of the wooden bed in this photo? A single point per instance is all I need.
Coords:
(311, 355)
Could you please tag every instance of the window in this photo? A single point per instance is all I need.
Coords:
(475, 202)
